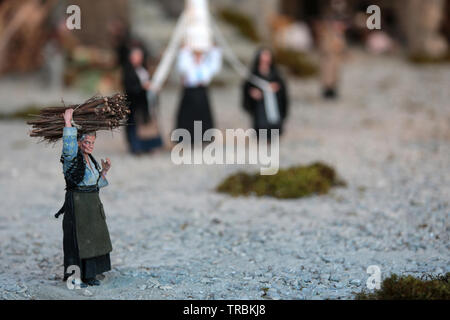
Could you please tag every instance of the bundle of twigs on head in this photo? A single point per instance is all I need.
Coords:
(97, 113)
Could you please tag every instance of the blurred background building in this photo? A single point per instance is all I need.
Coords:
(33, 36)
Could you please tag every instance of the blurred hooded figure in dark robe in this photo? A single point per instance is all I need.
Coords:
(253, 98)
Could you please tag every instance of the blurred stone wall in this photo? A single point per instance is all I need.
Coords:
(261, 11)
(423, 26)
(419, 23)
(95, 18)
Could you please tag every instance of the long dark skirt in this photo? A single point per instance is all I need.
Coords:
(93, 266)
(137, 145)
(194, 106)
(82, 246)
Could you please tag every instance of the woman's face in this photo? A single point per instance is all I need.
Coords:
(87, 144)
(198, 56)
(136, 57)
(265, 59)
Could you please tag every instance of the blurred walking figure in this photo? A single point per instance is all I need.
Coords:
(254, 101)
(142, 130)
(332, 45)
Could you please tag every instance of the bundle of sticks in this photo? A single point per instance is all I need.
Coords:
(97, 113)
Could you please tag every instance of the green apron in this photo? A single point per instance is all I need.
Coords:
(91, 229)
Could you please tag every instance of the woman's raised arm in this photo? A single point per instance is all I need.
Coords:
(70, 144)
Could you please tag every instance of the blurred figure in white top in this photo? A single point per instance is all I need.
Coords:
(198, 62)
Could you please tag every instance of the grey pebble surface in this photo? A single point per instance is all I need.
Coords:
(174, 237)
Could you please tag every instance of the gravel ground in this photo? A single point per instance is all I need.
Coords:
(175, 238)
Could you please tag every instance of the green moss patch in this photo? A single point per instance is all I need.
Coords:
(410, 288)
(241, 22)
(294, 182)
(298, 63)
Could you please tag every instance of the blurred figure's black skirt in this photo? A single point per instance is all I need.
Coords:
(89, 250)
(194, 106)
(136, 144)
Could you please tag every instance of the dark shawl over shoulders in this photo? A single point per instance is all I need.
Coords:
(75, 173)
